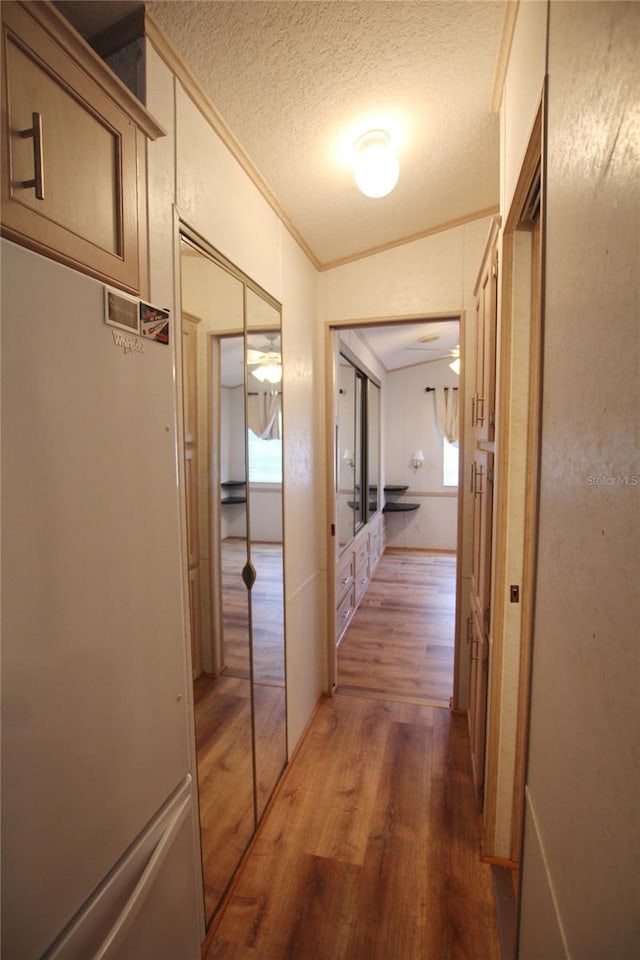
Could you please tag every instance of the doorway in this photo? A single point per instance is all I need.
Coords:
(400, 639)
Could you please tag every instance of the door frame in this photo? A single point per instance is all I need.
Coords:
(518, 683)
(332, 329)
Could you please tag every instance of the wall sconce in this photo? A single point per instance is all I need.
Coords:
(455, 366)
(376, 165)
(348, 459)
(417, 460)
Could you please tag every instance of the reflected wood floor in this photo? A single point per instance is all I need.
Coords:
(400, 642)
(371, 849)
(268, 610)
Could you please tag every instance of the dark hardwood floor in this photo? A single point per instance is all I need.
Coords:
(400, 643)
(371, 848)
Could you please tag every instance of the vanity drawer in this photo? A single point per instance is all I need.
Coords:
(363, 575)
(344, 612)
(345, 573)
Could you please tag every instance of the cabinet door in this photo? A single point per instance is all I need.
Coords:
(81, 206)
(478, 698)
(483, 401)
(482, 488)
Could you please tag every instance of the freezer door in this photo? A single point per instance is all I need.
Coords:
(147, 906)
(95, 717)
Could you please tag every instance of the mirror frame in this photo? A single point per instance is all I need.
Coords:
(202, 247)
(364, 380)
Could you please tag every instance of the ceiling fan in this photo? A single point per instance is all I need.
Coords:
(454, 353)
(267, 362)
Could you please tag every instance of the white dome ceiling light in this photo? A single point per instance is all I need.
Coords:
(376, 164)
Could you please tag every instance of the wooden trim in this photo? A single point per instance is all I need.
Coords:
(144, 282)
(59, 29)
(420, 235)
(395, 320)
(532, 501)
(501, 508)
(528, 172)
(504, 53)
(201, 101)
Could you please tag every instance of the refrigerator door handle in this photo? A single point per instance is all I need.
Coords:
(144, 884)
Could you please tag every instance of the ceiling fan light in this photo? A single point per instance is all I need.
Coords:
(270, 372)
(376, 165)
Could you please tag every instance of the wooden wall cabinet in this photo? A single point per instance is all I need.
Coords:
(483, 400)
(480, 615)
(354, 570)
(73, 154)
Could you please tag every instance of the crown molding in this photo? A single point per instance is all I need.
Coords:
(431, 231)
(197, 95)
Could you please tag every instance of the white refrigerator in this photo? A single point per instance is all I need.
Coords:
(99, 830)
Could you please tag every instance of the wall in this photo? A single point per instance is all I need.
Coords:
(521, 93)
(218, 200)
(411, 424)
(429, 276)
(580, 892)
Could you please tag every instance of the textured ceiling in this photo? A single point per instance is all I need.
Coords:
(297, 82)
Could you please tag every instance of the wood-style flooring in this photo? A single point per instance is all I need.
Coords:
(232, 715)
(371, 848)
(400, 643)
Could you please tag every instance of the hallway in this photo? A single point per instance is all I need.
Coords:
(371, 848)
(400, 643)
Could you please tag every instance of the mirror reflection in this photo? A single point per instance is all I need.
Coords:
(233, 473)
(373, 448)
(357, 445)
(346, 447)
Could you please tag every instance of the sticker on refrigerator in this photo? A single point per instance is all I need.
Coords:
(121, 310)
(154, 323)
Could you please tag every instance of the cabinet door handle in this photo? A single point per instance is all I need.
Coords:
(35, 131)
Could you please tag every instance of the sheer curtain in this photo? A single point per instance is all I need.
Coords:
(263, 414)
(447, 413)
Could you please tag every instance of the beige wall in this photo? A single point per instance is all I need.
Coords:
(582, 823)
(522, 92)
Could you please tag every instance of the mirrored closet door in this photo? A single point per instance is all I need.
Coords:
(232, 400)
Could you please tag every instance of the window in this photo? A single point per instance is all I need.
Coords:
(450, 464)
(265, 459)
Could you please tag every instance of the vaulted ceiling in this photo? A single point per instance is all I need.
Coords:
(297, 82)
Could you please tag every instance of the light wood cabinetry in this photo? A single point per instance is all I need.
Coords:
(483, 400)
(481, 473)
(354, 570)
(73, 153)
(190, 409)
